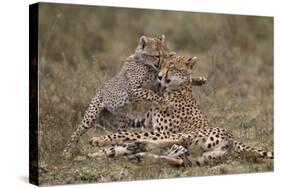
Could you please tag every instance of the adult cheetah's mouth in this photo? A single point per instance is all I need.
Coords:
(161, 84)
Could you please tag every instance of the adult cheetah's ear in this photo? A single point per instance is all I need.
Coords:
(191, 62)
(142, 42)
(172, 54)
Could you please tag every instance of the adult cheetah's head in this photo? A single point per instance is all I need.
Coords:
(152, 51)
(176, 70)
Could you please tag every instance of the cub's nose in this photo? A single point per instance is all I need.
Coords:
(160, 77)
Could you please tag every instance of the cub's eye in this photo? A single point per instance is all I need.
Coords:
(158, 56)
(168, 80)
(156, 65)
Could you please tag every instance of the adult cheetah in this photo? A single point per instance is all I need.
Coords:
(129, 84)
(183, 127)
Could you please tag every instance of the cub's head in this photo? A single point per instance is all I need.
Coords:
(152, 51)
(175, 71)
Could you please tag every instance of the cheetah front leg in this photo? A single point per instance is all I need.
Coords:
(142, 145)
(119, 150)
(88, 121)
(171, 160)
(137, 92)
(141, 94)
(135, 152)
(132, 148)
(152, 139)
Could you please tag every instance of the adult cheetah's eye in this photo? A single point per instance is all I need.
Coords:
(168, 80)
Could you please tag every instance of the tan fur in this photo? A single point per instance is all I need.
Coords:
(179, 123)
(127, 85)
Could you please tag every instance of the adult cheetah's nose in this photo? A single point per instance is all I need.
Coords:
(160, 77)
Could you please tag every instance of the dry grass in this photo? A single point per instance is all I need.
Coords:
(81, 47)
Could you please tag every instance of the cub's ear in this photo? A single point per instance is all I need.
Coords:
(163, 39)
(143, 41)
(191, 62)
(172, 54)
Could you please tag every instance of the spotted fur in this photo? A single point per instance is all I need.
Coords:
(180, 125)
(138, 71)
(130, 84)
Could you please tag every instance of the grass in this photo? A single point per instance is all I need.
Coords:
(81, 47)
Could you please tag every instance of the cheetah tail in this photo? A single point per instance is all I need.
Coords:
(240, 147)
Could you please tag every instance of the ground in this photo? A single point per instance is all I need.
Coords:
(79, 53)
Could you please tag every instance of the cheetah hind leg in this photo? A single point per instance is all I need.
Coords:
(172, 156)
(214, 155)
(132, 148)
(137, 150)
(176, 150)
(119, 150)
(205, 158)
(176, 161)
